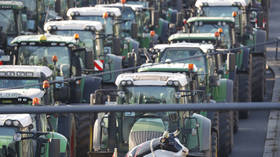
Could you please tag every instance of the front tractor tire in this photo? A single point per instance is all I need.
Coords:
(244, 92)
(258, 78)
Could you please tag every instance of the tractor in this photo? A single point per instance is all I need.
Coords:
(209, 71)
(246, 35)
(66, 57)
(129, 129)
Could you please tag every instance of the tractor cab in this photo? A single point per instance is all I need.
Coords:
(150, 88)
(27, 135)
(24, 85)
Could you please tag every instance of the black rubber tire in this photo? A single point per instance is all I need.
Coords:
(244, 93)
(236, 121)
(214, 117)
(83, 134)
(67, 127)
(258, 78)
(214, 144)
(235, 99)
(224, 134)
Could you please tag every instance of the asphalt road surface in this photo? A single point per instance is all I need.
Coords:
(249, 141)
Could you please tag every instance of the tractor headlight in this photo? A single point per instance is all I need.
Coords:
(170, 83)
(178, 95)
(129, 82)
(123, 83)
(15, 123)
(176, 83)
(8, 122)
(17, 137)
(121, 94)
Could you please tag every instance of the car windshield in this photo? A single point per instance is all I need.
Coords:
(150, 95)
(87, 37)
(7, 141)
(174, 54)
(212, 28)
(7, 21)
(16, 82)
(42, 55)
(108, 23)
(221, 11)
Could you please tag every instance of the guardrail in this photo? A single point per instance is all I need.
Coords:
(82, 108)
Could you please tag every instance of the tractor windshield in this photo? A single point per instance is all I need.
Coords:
(212, 28)
(16, 82)
(221, 11)
(42, 55)
(129, 16)
(150, 95)
(182, 55)
(7, 21)
(86, 37)
(7, 144)
(108, 23)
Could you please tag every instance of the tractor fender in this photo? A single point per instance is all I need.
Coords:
(224, 92)
(204, 131)
(90, 84)
(112, 63)
(132, 44)
(260, 37)
(163, 30)
(62, 140)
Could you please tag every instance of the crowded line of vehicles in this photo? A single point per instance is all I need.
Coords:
(103, 52)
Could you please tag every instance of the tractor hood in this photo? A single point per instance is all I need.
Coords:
(27, 93)
(24, 119)
(148, 124)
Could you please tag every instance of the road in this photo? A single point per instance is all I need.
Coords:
(249, 141)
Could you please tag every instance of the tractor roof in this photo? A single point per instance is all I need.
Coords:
(211, 19)
(11, 5)
(134, 7)
(166, 67)
(22, 93)
(203, 47)
(201, 3)
(73, 25)
(24, 119)
(93, 11)
(152, 78)
(24, 71)
(191, 36)
(44, 38)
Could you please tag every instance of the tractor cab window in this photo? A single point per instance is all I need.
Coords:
(8, 145)
(222, 11)
(42, 55)
(150, 95)
(86, 37)
(212, 28)
(108, 23)
(182, 55)
(7, 21)
(17, 82)
(129, 17)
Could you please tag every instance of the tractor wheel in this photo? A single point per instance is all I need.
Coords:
(225, 134)
(214, 144)
(235, 121)
(258, 78)
(67, 127)
(83, 132)
(244, 92)
(235, 99)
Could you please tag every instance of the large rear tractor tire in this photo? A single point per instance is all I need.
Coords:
(214, 144)
(258, 78)
(244, 92)
(225, 134)
(83, 134)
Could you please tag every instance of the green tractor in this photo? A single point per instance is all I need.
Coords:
(245, 35)
(216, 88)
(91, 35)
(20, 136)
(25, 134)
(66, 57)
(13, 22)
(129, 129)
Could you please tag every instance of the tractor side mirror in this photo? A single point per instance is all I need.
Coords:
(54, 147)
(134, 30)
(213, 81)
(117, 46)
(231, 62)
(155, 18)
